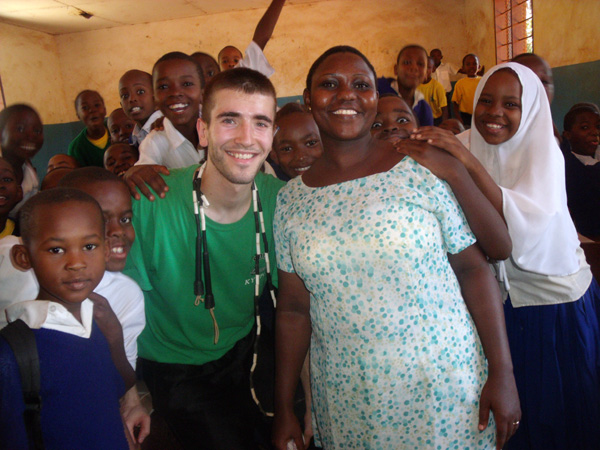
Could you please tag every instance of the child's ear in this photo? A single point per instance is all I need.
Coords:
(19, 256)
(567, 135)
(202, 129)
(306, 97)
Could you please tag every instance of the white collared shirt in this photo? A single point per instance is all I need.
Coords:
(169, 148)
(139, 134)
(589, 160)
(53, 316)
(122, 293)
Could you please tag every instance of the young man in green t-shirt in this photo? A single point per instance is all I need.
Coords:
(196, 356)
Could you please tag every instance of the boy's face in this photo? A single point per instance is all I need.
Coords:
(67, 253)
(471, 65)
(240, 134)
(394, 120)
(137, 98)
(585, 133)
(209, 68)
(119, 158)
(178, 91)
(23, 135)
(115, 200)
(437, 57)
(10, 190)
(61, 160)
(297, 144)
(120, 126)
(229, 57)
(411, 67)
(91, 110)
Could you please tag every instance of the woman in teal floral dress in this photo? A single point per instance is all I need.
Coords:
(373, 255)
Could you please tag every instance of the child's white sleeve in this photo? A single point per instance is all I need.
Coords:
(255, 59)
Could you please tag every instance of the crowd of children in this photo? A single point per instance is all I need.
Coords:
(383, 233)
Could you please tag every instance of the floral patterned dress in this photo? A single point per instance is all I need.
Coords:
(396, 361)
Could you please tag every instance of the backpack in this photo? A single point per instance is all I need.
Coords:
(22, 342)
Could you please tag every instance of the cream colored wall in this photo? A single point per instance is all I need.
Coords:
(379, 28)
(566, 32)
(30, 71)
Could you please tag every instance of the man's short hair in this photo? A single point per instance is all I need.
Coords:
(28, 214)
(240, 79)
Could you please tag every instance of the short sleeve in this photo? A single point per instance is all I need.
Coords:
(282, 243)
(456, 232)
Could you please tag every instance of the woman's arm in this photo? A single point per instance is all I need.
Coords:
(292, 339)
(485, 221)
(482, 297)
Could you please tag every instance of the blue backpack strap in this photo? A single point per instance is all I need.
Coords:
(22, 342)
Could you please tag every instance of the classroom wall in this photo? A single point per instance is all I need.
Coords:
(566, 32)
(379, 28)
(30, 70)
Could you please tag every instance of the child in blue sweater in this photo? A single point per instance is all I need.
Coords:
(77, 335)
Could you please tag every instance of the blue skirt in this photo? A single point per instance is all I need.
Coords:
(556, 357)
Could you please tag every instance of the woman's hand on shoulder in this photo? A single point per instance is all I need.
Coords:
(500, 396)
(144, 175)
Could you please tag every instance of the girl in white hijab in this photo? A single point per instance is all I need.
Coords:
(552, 302)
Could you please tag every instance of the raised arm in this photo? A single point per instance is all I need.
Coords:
(482, 297)
(485, 221)
(292, 339)
(266, 25)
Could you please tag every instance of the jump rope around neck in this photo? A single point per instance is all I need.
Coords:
(203, 290)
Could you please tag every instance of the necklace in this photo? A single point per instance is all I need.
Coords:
(203, 290)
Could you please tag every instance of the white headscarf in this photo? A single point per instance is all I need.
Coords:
(530, 170)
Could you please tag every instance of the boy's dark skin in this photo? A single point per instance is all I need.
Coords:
(92, 112)
(176, 81)
(69, 281)
(11, 192)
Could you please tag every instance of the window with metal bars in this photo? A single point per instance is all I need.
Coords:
(514, 28)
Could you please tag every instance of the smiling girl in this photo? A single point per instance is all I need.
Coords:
(379, 271)
(552, 308)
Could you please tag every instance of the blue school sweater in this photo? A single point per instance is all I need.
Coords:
(80, 390)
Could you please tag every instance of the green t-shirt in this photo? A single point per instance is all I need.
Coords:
(176, 330)
(86, 153)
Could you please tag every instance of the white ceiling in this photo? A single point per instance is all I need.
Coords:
(64, 16)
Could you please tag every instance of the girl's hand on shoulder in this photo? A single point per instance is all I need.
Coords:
(441, 163)
(443, 139)
(500, 395)
(144, 176)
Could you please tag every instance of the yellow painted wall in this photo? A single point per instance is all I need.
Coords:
(566, 32)
(49, 71)
(30, 71)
